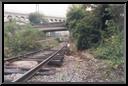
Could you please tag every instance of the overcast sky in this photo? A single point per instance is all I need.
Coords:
(58, 10)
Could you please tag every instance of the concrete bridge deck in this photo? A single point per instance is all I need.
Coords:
(49, 27)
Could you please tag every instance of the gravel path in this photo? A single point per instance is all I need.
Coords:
(75, 69)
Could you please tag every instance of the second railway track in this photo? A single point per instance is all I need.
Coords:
(53, 56)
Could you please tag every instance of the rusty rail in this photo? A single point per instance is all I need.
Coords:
(32, 71)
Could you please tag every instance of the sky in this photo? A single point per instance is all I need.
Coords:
(58, 10)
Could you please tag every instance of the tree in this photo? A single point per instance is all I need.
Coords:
(36, 18)
(100, 30)
(102, 15)
(93, 26)
(81, 24)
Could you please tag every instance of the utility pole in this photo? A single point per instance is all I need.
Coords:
(37, 8)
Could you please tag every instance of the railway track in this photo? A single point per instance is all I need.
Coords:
(24, 55)
(41, 57)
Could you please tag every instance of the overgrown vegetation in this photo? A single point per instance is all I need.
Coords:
(100, 30)
(49, 43)
(36, 18)
(19, 39)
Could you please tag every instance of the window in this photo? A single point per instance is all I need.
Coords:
(51, 19)
(55, 19)
(60, 20)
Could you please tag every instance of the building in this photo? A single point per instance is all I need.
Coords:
(23, 18)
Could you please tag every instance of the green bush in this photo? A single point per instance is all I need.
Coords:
(58, 40)
(49, 43)
(112, 49)
(18, 39)
(100, 30)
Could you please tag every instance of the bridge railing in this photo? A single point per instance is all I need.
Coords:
(56, 24)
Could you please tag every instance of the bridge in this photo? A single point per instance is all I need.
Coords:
(50, 27)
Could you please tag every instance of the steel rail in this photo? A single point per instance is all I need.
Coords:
(17, 57)
(32, 71)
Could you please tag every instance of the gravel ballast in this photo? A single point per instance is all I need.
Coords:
(75, 69)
